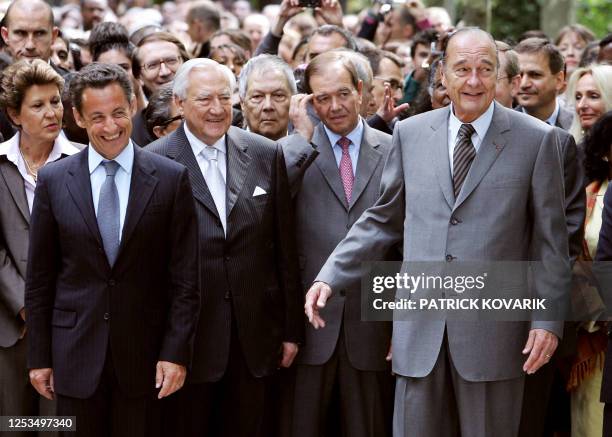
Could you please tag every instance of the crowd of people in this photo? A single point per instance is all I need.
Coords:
(180, 183)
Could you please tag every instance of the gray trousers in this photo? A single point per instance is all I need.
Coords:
(443, 404)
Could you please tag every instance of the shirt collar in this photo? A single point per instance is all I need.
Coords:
(61, 146)
(125, 159)
(552, 120)
(480, 125)
(198, 145)
(355, 135)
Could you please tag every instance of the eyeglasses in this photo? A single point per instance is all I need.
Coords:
(172, 63)
(171, 120)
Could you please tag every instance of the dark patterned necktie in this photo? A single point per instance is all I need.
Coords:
(463, 156)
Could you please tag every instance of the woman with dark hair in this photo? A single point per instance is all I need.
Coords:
(31, 96)
(586, 371)
(109, 44)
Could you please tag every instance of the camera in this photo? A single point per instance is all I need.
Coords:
(310, 3)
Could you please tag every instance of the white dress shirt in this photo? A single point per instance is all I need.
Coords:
(198, 146)
(123, 178)
(355, 136)
(480, 125)
(10, 148)
(552, 120)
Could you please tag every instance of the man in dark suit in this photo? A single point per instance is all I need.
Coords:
(111, 290)
(542, 78)
(350, 355)
(251, 321)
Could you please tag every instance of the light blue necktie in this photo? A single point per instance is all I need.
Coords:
(108, 212)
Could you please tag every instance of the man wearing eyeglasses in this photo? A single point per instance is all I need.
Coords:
(157, 58)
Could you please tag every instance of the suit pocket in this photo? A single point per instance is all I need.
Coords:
(63, 318)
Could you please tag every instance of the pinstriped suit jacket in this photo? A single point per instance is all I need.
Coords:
(249, 276)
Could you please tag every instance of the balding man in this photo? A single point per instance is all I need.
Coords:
(471, 181)
(252, 318)
(29, 33)
(28, 30)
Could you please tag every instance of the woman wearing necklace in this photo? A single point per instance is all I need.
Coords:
(30, 95)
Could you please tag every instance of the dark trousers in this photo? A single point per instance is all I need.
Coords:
(234, 406)
(607, 421)
(17, 396)
(109, 412)
(335, 399)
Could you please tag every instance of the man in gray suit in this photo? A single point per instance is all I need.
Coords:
(472, 181)
(330, 195)
(542, 78)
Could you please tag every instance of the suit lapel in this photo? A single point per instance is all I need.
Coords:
(180, 150)
(369, 157)
(142, 186)
(441, 163)
(327, 164)
(237, 163)
(79, 187)
(16, 187)
(490, 148)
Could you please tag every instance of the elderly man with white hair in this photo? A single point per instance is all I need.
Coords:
(265, 86)
(251, 321)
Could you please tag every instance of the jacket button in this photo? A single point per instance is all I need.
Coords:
(227, 258)
(449, 258)
(106, 316)
(454, 221)
(228, 295)
(112, 283)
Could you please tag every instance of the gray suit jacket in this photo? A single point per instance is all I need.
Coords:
(511, 208)
(14, 240)
(323, 218)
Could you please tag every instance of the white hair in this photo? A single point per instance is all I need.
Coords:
(181, 79)
(265, 64)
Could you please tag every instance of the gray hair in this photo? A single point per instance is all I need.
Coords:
(263, 64)
(181, 79)
(361, 63)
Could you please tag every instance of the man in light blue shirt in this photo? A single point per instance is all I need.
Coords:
(111, 290)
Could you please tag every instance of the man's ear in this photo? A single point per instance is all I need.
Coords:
(442, 74)
(4, 32)
(77, 118)
(133, 106)
(179, 105)
(158, 131)
(54, 34)
(360, 91)
(559, 81)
